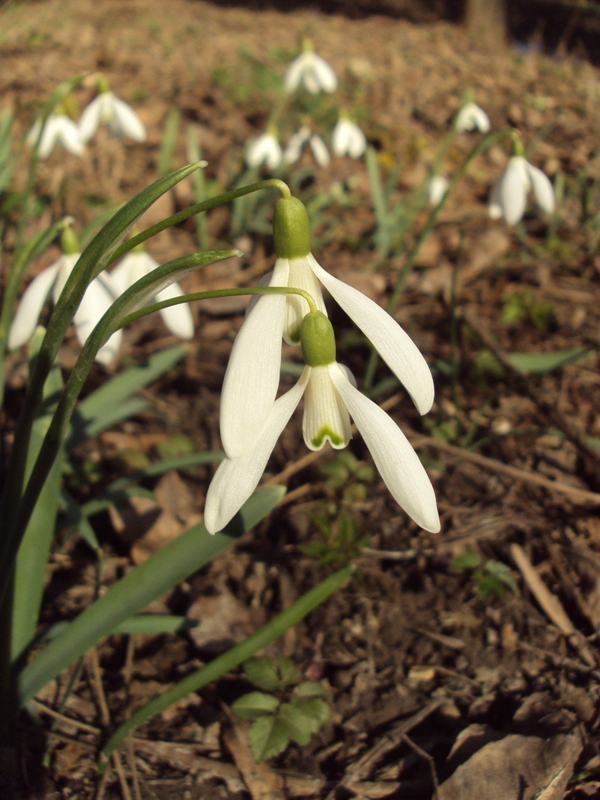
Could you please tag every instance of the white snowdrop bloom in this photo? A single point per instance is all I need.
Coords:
(256, 355)
(96, 301)
(120, 119)
(265, 150)
(312, 71)
(472, 117)
(348, 139)
(330, 399)
(508, 196)
(58, 128)
(438, 186)
(136, 265)
(294, 148)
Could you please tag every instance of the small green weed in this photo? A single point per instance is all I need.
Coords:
(285, 710)
(491, 578)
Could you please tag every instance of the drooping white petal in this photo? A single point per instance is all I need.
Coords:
(472, 117)
(70, 136)
(324, 74)
(325, 415)
(512, 190)
(438, 186)
(96, 301)
(294, 73)
(236, 478)
(252, 376)
(348, 139)
(301, 276)
(90, 119)
(293, 150)
(395, 346)
(178, 319)
(542, 188)
(264, 150)
(65, 266)
(319, 150)
(394, 457)
(30, 307)
(494, 206)
(126, 122)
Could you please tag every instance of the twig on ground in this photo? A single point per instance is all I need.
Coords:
(550, 604)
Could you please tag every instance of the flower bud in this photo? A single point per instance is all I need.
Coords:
(291, 228)
(317, 340)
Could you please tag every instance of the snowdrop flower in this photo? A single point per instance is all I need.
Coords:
(120, 119)
(293, 151)
(98, 298)
(265, 150)
(508, 196)
(252, 376)
(330, 398)
(438, 186)
(134, 266)
(348, 139)
(58, 128)
(312, 71)
(472, 118)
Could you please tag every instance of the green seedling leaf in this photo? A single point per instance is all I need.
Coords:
(501, 572)
(317, 709)
(298, 725)
(255, 704)
(271, 674)
(468, 560)
(540, 363)
(267, 737)
(309, 689)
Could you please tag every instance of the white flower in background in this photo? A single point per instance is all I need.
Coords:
(265, 150)
(438, 186)
(312, 71)
(58, 128)
(256, 354)
(98, 298)
(348, 139)
(137, 264)
(472, 118)
(330, 398)
(508, 196)
(294, 148)
(120, 119)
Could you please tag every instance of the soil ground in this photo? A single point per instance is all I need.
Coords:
(431, 683)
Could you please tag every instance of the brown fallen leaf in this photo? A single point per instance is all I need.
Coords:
(516, 768)
(262, 782)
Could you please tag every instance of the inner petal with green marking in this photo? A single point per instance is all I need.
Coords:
(325, 415)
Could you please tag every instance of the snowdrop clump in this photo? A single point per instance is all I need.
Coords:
(348, 139)
(312, 72)
(508, 196)
(265, 150)
(252, 418)
(120, 119)
(472, 117)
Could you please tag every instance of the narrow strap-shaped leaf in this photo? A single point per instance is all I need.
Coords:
(169, 566)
